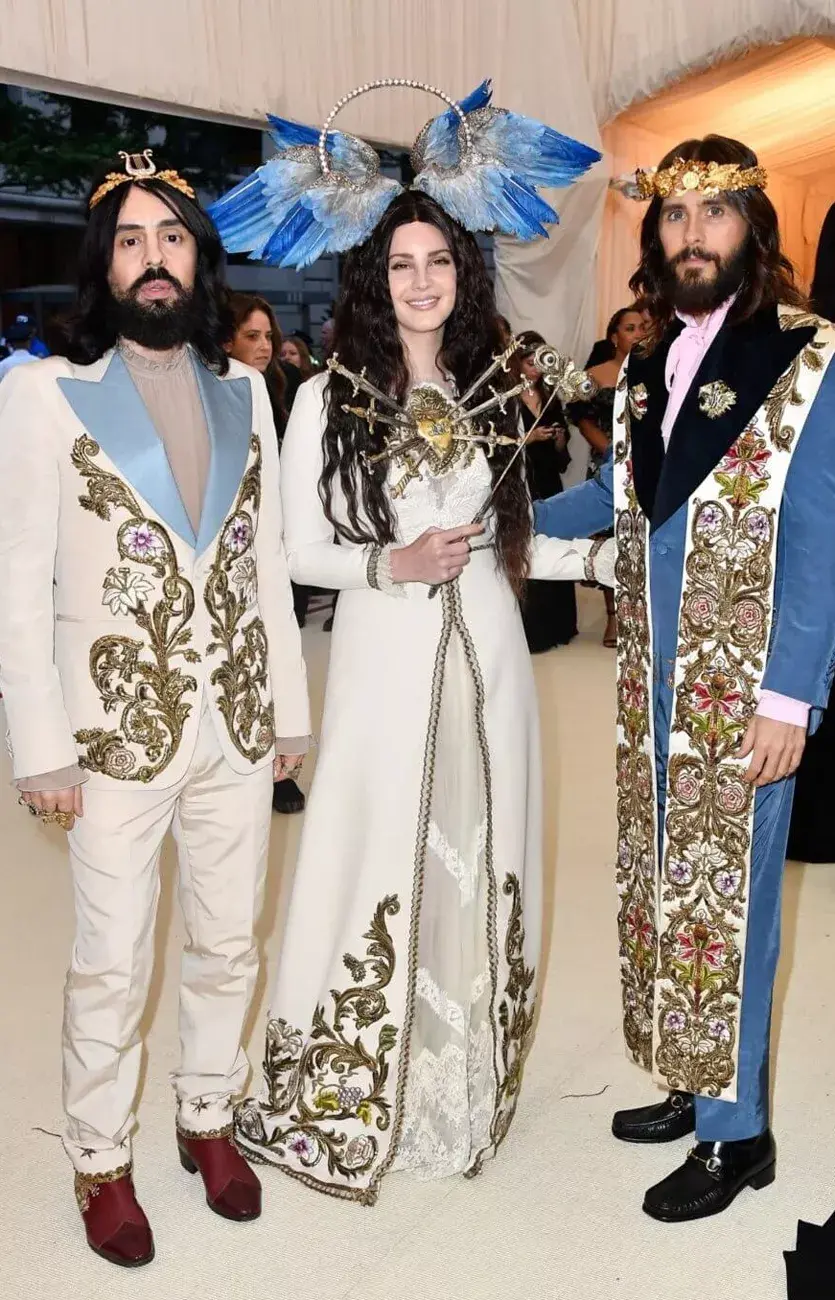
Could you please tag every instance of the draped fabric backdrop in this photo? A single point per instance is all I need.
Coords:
(780, 100)
(574, 63)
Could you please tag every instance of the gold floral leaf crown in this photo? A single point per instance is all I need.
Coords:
(686, 176)
(139, 167)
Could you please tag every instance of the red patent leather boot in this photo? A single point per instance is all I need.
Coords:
(114, 1221)
(232, 1189)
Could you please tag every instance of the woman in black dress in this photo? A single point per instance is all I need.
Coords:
(549, 610)
(812, 833)
(594, 418)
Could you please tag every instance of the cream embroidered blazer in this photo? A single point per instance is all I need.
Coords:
(115, 619)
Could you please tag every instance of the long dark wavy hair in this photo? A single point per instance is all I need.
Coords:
(768, 275)
(88, 331)
(823, 285)
(366, 335)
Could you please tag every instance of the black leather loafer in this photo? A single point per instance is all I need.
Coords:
(712, 1176)
(672, 1118)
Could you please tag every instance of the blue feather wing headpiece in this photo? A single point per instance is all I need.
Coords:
(323, 191)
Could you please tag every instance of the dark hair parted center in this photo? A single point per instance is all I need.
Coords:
(93, 327)
(366, 336)
(766, 274)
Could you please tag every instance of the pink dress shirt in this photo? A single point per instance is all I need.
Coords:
(684, 359)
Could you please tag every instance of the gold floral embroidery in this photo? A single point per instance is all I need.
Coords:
(795, 318)
(716, 399)
(685, 984)
(146, 690)
(723, 635)
(516, 1016)
(88, 1185)
(226, 1131)
(321, 1085)
(230, 591)
(637, 831)
(786, 393)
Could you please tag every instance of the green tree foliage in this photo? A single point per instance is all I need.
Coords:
(60, 145)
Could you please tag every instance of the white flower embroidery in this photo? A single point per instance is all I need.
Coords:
(719, 1030)
(710, 518)
(705, 856)
(143, 542)
(681, 873)
(727, 882)
(735, 550)
(124, 591)
(245, 576)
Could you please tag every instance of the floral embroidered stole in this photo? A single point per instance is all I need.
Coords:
(682, 927)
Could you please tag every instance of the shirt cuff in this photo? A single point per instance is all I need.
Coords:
(782, 708)
(293, 745)
(63, 779)
(379, 572)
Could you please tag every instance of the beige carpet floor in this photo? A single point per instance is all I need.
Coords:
(556, 1217)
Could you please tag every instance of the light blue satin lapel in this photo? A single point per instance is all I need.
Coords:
(228, 407)
(114, 414)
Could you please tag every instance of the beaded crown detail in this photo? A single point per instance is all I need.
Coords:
(685, 176)
(323, 192)
(140, 167)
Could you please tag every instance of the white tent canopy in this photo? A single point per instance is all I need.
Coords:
(573, 63)
(780, 101)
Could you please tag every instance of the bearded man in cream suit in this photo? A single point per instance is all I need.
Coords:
(151, 670)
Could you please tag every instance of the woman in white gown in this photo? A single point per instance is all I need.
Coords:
(406, 988)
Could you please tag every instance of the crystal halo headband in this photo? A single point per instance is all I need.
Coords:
(384, 83)
(323, 192)
(139, 167)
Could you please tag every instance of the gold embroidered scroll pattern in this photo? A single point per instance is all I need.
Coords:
(786, 391)
(146, 690)
(723, 636)
(637, 851)
(516, 1014)
(324, 1089)
(230, 591)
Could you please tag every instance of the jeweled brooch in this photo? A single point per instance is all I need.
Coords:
(716, 399)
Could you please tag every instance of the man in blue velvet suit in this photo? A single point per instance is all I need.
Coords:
(152, 674)
(722, 490)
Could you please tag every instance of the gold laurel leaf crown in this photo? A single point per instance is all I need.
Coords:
(687, 176)
(140, 167)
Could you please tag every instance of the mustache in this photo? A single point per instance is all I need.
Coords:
(153, 275)
(690, 254)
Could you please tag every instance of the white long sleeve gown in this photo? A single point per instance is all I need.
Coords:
(404, 1002)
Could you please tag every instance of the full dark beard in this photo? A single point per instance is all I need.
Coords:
(160, 325)
(693, 295)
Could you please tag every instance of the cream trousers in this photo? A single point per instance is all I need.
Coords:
(221, 823)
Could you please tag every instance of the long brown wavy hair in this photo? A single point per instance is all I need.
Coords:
(307, 368)
(768, 274)
(243, 305)
(366, 336)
